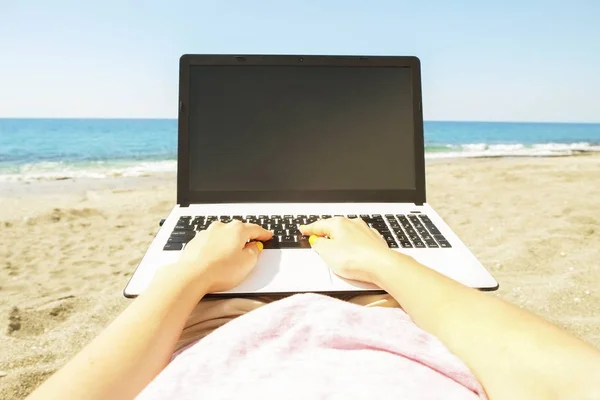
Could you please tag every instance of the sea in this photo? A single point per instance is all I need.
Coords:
(56, 149)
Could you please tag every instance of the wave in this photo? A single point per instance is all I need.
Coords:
(481, 150)
(95, 170)
(59, 170)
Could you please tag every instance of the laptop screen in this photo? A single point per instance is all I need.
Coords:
(300, 128)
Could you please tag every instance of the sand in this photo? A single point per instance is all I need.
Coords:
(68, 248)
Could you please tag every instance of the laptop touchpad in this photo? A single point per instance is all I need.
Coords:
(286, 271)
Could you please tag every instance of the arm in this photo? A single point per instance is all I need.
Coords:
(513, 353)
(120, 362)
(136, 346)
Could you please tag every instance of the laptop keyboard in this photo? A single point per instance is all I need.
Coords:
(399, 231)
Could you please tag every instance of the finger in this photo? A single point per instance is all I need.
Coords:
(214, 224)
(256, 232)
(320, 244)
(359, 221)
(322, 227)
(254, 248)
(379, 235)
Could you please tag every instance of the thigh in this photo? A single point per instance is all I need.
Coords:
(375, 300)
(209, 315)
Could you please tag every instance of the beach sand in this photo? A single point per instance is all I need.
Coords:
(68, 248)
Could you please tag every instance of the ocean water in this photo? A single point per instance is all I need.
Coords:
(33, 149)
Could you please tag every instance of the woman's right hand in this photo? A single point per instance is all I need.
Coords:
(350, 247)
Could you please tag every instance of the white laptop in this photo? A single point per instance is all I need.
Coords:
(285, 140)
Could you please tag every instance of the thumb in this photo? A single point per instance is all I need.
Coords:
(253, 248)
(320, 244)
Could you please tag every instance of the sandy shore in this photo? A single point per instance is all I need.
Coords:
(68, 248)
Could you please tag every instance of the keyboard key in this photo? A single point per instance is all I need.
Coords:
(431, 243)
(173, 246)
(325, 216)
(290, 245)
(304, 244)
(183, 233)
(352, 216)
(392, 245)
(186, 217)
(433, 229)
(202, 227)
(179, 239)
(419, 244)
(272, 244)
(406, 244)
(417, 224)
(288, 238)
(237, 217)
(444, 244)
(411, 232)
(181, 227)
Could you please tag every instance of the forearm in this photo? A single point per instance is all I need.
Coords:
(511, 351)
(134, 348)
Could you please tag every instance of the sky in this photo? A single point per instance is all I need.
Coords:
(481, 60)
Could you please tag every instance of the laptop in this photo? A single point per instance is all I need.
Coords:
(282, 140)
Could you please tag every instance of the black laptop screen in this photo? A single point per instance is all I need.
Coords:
(289, 128)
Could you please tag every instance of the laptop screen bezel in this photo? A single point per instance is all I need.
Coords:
(185, 196)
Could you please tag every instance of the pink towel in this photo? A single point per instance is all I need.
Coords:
(315, 347)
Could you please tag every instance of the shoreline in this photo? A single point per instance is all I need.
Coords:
(60, 171)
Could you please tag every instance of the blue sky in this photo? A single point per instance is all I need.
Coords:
(507, 61)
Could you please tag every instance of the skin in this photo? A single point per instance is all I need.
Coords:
(513, 353)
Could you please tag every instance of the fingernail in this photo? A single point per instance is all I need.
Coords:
(260, 246)
(312, 239)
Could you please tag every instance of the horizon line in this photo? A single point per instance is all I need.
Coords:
(424, 120)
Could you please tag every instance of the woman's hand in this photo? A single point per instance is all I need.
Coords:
(351, 249)
(221, 257)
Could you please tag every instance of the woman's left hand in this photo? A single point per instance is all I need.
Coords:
(221, 257)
